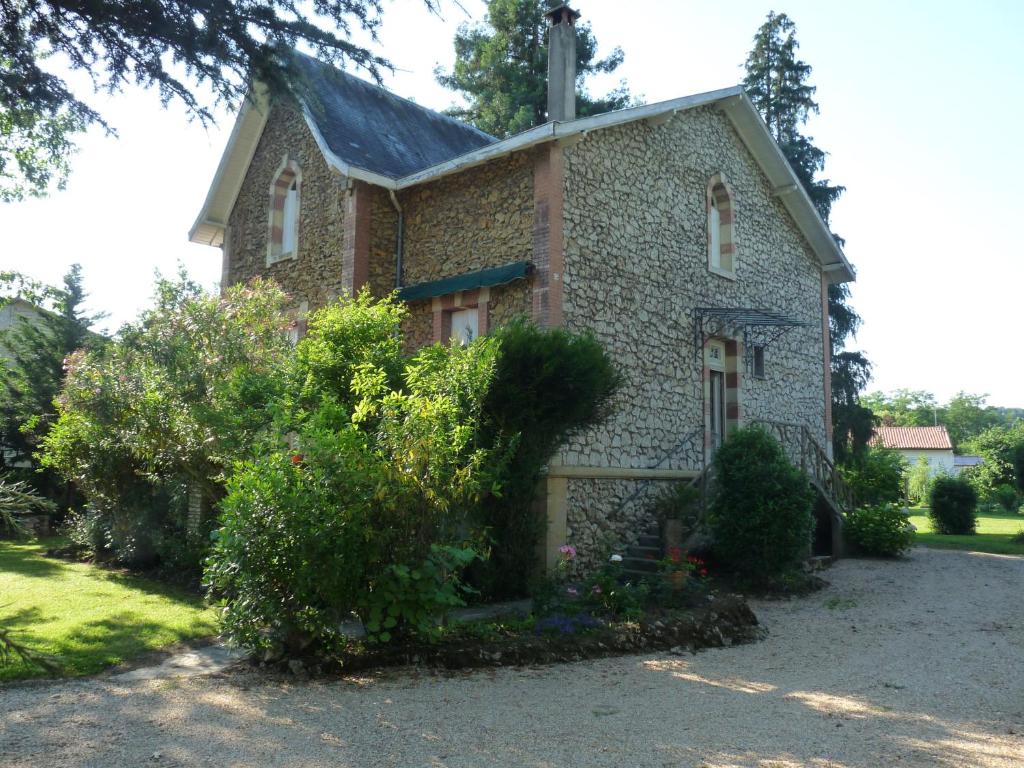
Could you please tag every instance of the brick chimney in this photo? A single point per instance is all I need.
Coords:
(562, 63)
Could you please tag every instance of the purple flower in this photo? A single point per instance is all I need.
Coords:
(596, 589)
(572, 591)
(568, 551)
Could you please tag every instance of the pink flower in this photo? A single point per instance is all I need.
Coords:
(572, 591)
(568, 551)
(596, 589)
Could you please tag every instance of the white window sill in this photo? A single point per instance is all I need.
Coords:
(728, 274)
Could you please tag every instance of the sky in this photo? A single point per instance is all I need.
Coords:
(919, 112)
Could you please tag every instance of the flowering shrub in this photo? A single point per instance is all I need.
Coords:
(882, 530)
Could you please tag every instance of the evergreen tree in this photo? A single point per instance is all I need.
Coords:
(501, 68)
(171, 44)
(32, 370)
(777, 83)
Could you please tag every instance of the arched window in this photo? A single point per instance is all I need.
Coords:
(721, 215)
(285, 191)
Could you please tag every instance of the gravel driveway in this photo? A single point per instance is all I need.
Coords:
(910, 663)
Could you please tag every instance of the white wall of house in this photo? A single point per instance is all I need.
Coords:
(939, 462)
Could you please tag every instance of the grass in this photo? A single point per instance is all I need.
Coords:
(995, 533)
(88, 618)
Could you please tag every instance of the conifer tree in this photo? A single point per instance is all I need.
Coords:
(777, 83)
(501, 68)
(32, 369)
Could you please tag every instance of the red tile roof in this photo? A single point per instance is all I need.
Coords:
(920, 438)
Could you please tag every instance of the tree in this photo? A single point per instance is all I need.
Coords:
(33, 372)
(170, 44)
(966, 416)
(777, 83)
(904, 407)
(501, 69)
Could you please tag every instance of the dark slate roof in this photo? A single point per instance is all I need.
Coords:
(371, 128)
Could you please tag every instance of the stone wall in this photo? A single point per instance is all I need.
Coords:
(473, 220)
(482, 217)
(635, 267)
(315, 276)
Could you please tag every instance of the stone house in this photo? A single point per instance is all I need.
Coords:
(676, 231)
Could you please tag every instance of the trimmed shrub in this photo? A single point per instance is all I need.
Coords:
(883, 530)
(876, 477)
(549, 384)
(761, 514)
(954, 505)
(919, 481)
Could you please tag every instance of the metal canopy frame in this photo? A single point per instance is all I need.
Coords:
(759, 327)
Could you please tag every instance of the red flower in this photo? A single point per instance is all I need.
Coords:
(297, 458)
(675, 554)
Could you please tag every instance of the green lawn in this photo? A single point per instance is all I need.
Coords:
(995, 532)
(88, 618)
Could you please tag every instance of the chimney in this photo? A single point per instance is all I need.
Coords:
(562, 63)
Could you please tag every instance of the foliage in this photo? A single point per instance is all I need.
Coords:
(760, 514)
(883, 530)
(33, 369)
(1005, 496)
(87, 618)
(354, 488)
(220, 46)
(965, 416)
(777, 83)
(501, 69)
(999, 446)
(953, 505)
(164, 411)
(919, 481)
(17, 497)
(1018, 465)
(603, 593)
(408, 601)
(549, 384)
(678, 502)
(876, 476)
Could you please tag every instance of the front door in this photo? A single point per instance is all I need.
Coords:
(716, 419)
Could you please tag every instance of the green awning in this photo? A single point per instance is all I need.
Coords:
(483, 278)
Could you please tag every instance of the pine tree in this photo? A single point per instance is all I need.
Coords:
(777, 84)
(33, 369)
(501, 69)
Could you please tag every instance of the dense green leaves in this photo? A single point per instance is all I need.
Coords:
(501, 69)
(953, 506)
(876, 476)
(761, 509)
(882, 530)
(223, 46)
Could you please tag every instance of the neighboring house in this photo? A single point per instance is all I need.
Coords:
(676, 231)
(932, 443)
(960, 463)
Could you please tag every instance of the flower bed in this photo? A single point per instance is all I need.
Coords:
(722, 621)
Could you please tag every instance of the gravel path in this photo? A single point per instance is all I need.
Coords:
(912, 663)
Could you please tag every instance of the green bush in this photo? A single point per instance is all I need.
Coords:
(882, 530)
(549, 384)
(166, 409)
(953, 506)
(876, 476)
(919, 481)
(760, 515)
(354, 493)
(1006, 497)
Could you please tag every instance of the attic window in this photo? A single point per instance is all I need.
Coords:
(758, 362)
(283, 241)
(721, 243)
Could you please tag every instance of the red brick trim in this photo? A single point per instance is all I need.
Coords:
(444, 306)
(548, 229)
(355, 262)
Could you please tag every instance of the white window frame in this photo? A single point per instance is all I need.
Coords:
(290, 222)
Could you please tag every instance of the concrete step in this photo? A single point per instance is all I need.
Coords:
(647, 540)
(640, 564)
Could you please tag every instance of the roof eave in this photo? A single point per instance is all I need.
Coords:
(209, 225)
